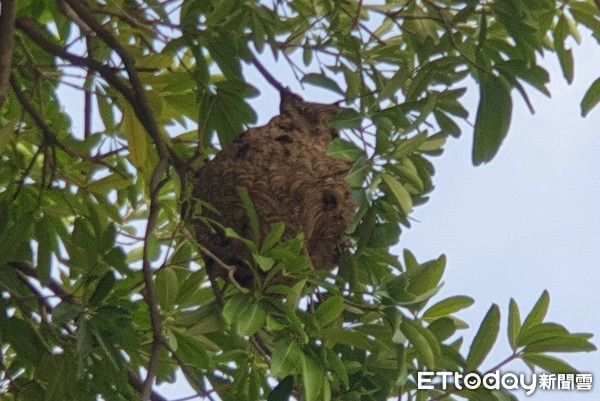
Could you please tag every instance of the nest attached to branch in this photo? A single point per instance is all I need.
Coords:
(285, 170)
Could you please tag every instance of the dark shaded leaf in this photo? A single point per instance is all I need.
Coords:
(484, 339)
(493, 118)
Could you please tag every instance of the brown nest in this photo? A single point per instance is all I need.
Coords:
(285, 170)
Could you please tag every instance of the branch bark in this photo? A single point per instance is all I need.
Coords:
(88, 98)
(138, 384)
(28, 26)
(7, 37)
(50, 137)
(54, 285)
(141, 105)
(28, 271)
(151, 299)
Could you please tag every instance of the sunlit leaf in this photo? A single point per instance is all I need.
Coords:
(137, 137)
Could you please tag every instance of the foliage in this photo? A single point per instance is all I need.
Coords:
(101, 280)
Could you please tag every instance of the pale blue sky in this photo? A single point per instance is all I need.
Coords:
(527, 221)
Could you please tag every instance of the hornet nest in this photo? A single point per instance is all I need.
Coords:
(286, 172)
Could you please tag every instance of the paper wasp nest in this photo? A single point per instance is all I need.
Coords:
(285, 170)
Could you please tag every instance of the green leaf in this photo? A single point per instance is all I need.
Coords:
(550, 364)
(541, 332)
(167, 287)
(434, 143)
(564, 56)
(358, 173)
(24, 339)
(384, 235)
(393, 84)
(448, 306)
(85, 343)
(312, 378)
(589, 101)
(137, 137)
(65, 312)
(344, 150)
(285, 359)
(251, 211)
(233, 307)
(329, 311)
(407, 171)
(514, 323)
(336, 365)
(322, 81)
(533, 74)
(353, 82)
(538, 313)
(347, 118)
(401, 194)
(427, 276)
(493, 118)
(283, 390)
(104, 287)
(484, 339)
(419, 342)
(447, 125)
(192, 350)
(251, 318)
(7, 132)
(560, 344)
(567, 63)
(104, 340)
(263, 262)
(347, 336)
(405, 147)
(586, 13)
(273, 238)
(113, 181)
(443, 328)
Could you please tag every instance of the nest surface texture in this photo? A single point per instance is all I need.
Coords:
(285, 170)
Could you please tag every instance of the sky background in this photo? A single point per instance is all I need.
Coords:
(527, 221)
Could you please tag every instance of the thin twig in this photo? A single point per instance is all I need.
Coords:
(228, 268)
(26, 173)
(260, 346)
(186, 372)
(87, 95)
(268, 76)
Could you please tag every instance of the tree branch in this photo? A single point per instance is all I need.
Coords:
(151, 299)
(141, 105)
(7, 36)
(28, 26)
(27, 270)
(50, 137)
(87, 105)
(138, 384)
(267, 75)
(55, 286)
